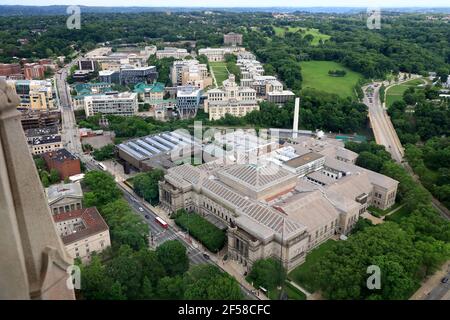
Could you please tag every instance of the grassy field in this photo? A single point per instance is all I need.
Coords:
(302, 275)
(395, 93)
(220, 71)
(280, 31)
(315, 75)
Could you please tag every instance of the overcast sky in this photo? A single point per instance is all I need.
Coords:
(238, 3)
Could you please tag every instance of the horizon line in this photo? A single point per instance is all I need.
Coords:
(225, 7)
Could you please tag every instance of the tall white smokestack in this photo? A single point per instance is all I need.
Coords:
(296, 114)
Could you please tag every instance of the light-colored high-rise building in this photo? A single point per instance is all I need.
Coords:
(122, 104)
(190, 72)
(230, 98)
(34, 94)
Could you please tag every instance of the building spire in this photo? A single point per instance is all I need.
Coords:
(33, 261)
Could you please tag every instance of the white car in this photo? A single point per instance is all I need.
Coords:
(141, 209)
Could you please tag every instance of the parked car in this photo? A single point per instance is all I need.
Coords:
(205, 256)
(444, 280)
(141, 209)
(147, 217)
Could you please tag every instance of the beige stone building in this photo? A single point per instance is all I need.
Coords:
(33, 263)
(230, 98)
(83, 232)
(218, 54)
(64, 197)
(232, 39)
(190, 72)
(282, 205)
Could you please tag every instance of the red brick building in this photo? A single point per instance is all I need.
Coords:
(63, 161)
(33, 71)
(7, 69)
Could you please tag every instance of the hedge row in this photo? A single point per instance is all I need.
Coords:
(204, 231)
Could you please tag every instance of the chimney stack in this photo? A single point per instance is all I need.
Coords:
(296, 115)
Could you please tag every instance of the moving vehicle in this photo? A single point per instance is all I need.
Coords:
(161, 222)
(147, 217)
(444, 280)
(205, 256)
(101, 166)
(141, 209)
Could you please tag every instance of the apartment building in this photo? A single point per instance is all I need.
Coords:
(83, 232)
(34, 94)
(123, 104)
(230, 98)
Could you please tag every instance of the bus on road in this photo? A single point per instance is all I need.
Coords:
(161, 222)
(101, 166)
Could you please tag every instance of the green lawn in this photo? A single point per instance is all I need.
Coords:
(302, 275)
(292, 292)
(315, 75)
(280, 31)
(220, 71)
(377, 212)
(398, 215)
(395, 93)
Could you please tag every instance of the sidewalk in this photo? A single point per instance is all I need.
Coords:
(430, 283)
(237, 271)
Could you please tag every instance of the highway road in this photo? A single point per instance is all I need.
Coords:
(382, 127)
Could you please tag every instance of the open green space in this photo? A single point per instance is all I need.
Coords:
(395, 93)
(315, 76)
(303, 274)
(220, 71)
(377, 212)
(281, 31)
(201, 229)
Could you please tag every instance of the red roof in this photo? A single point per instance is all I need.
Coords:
(92, 221)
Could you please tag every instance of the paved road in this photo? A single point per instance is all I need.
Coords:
(71, 139)
(441, 291)
(381, 124)
(70, 132)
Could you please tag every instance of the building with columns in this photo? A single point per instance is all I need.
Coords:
(281, 204)
(230, 98)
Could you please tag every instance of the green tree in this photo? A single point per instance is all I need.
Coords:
(268, 273)
(172, 255)
(54, 176)
(96, 284)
